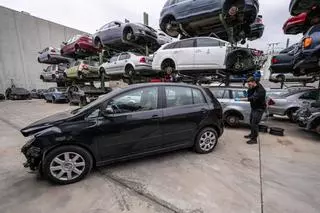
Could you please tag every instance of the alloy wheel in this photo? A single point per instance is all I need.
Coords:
(207, 141)
(67, 166)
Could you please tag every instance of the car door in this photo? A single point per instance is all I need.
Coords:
(121, 63)
(73, 71)
(203, 6)
(112, 66)
(210, 53)
(47, 73)
(184, 54)
(182, 8)
(131, 125)
(184, 110)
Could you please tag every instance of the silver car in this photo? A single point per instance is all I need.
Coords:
(288, 104)
(235, 112)
(53, 73)
(127, 63)
(289, 77)
(51, 55)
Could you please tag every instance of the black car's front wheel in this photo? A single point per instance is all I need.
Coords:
(206, 141)
(67, 164)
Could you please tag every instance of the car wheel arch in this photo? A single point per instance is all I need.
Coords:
(47, 151)
(293, 108)
(215, 127)
(168, 60)
(234, 112)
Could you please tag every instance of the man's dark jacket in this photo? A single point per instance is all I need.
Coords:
(257, 97)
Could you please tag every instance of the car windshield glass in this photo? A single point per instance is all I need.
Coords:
(62, 89)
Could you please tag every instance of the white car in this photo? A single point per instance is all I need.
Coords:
(193, 54)
(128, 63)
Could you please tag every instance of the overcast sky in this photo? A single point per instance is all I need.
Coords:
(89, 15)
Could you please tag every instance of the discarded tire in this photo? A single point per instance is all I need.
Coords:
(263, 128)
(276, 131)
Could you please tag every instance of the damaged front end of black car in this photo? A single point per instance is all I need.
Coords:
(41, 134)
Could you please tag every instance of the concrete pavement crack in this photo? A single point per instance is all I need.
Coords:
(150, 197)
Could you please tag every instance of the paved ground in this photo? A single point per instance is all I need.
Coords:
(228, 180)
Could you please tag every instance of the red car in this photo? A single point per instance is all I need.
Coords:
(296, 24)
(79, 45)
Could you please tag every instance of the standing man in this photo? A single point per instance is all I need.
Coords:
(257, 99)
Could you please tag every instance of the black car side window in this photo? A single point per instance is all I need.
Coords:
(143, 99)
(93, 114)
(198, 97)
(313, 95)
(178, 96)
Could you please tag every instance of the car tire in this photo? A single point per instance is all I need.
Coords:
(39, 61)
(129, 35)
(233, 120)
(80, 75)
(318, 129)
(171, 27)
(168, 67)
(130, 71)
(206, 141)
(290, 115)
(67, 164)
(280, 78)
(77, 49)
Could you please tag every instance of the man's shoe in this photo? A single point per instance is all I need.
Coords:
(247, 136)
(252, 141)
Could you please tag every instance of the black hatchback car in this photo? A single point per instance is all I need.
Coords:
(140, 120)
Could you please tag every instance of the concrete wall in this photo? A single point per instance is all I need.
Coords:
(22, 36)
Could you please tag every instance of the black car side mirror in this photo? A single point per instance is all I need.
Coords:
(44, 70)
(65, 43)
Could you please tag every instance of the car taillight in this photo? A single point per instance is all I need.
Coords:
(53, 51)
(274, 60)
(143, 60)
(271, 102)
(85, 67)
(307, 42)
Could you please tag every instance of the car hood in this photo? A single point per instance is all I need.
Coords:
(46, 123)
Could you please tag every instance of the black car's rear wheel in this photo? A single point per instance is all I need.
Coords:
(206, 140)
(67, 164)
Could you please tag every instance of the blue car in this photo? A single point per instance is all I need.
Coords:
(56, 94)
(307, 59)
(203, 17)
